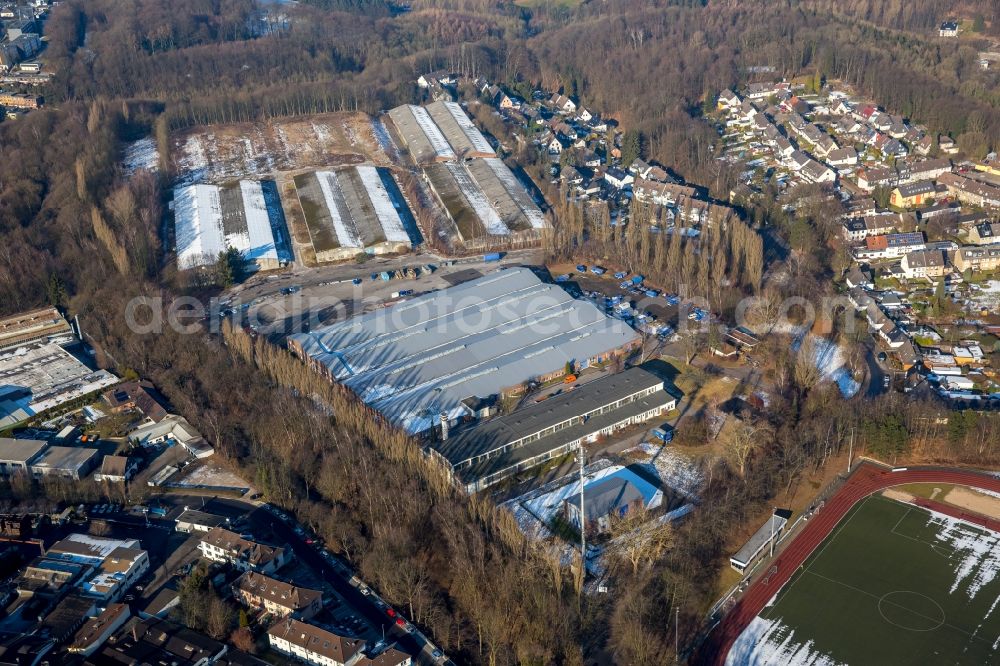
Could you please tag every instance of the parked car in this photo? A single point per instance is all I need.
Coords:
(581, 268)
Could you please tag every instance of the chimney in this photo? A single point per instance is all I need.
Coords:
(444, 426)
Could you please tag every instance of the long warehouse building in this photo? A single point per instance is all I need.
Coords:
(420, 135)
(209, 219)
(423, 362)
(463, 136)
(354, 210)
(490, 452)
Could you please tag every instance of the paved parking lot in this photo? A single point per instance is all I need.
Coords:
(301, 299)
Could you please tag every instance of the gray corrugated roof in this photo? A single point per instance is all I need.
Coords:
(422, 357)
(539, 416)
(560, 438)
(606, 496)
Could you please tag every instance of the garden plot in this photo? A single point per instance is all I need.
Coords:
(238, 150)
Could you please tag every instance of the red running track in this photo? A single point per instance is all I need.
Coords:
(866, 479)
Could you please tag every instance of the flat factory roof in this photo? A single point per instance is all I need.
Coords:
(422, 357)
(36, 378)
(64, 458)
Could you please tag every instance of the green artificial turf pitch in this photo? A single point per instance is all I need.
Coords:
(882, 590)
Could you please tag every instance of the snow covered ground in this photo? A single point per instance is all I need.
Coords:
(976, 553)
(829, 358)
(770, 643)
(674, 470)
(141, 155)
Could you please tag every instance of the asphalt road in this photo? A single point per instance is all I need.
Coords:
(876, 374)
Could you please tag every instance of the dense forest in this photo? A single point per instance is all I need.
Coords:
(77, 233)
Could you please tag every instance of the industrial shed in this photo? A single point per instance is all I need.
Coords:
(463, 136)
(355, 210)
(245, 215)
(484, 200)
(419, 360)
(420, 135)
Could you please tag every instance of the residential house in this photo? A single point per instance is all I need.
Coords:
(911, 195)
(986, 233)
(140, 396)
(947, 144)
(221, 545)
(977, 259)
(859, 298)
(869, 179)
(912, 172)
(662, 194)
(728, 100)
(923, 264)
(948, 29)
(817, 172)
(842, 157)
(562, 104)
(431, 79)
(890, 246)
(970, 191)
(571, 176)
(557, 144)
(783, 147)
(798, 160)
(856, 277)
(925, 145)
(277, 597)
(313, 645)
(876, 318)
(758, 91)
(617, 178)
(584, 116)
(390, 656)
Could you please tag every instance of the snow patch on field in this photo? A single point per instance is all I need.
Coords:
(193, 161)
(770, 643)
(322, 132)
(976, 553)
(141, 155)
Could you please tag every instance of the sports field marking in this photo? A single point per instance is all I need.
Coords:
(830, 538)
(935, 547)
(905, 608)
(884, 600)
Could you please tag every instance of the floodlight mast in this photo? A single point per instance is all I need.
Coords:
(583, 520)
